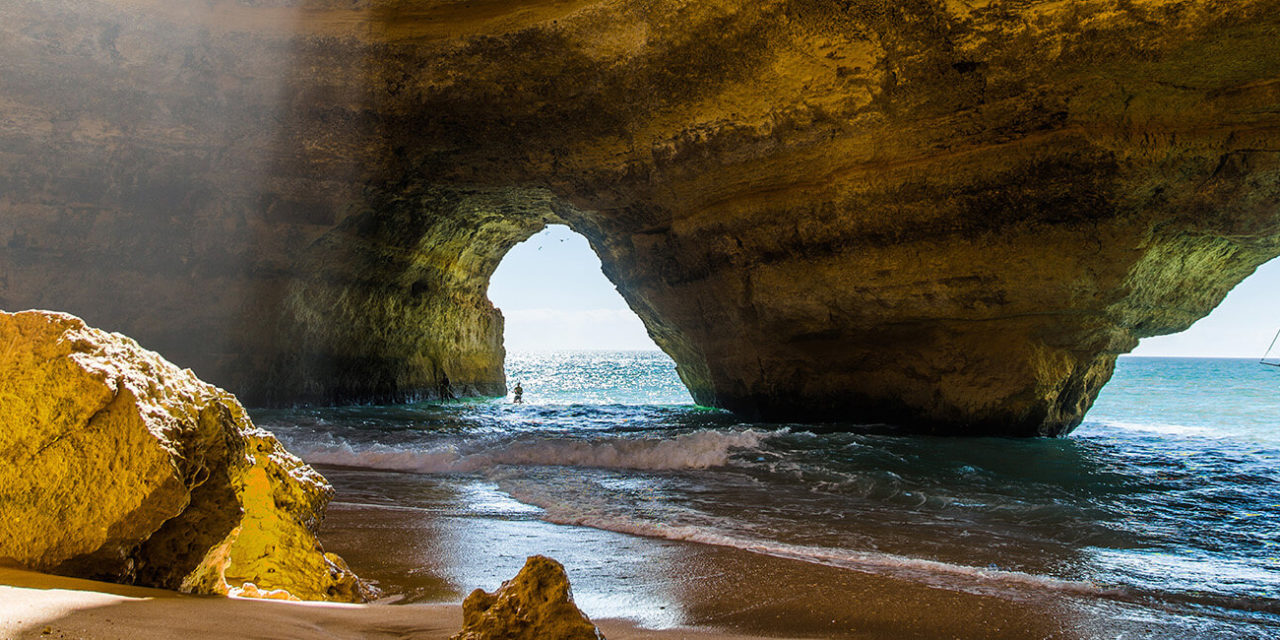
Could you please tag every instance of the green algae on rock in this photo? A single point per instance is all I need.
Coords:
(120, 466)
(952, 216)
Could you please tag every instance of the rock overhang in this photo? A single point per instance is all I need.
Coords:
(942, 214)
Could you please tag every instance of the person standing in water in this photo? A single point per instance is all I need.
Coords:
(518, 395)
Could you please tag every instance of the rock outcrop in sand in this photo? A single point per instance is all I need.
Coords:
(537, 604)
(943, 214)
(120, 466)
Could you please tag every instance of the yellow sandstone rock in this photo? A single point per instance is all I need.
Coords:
(120, 466)
(535, 605)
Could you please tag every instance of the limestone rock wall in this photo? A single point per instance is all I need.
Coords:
(947, 215)
(120, 466)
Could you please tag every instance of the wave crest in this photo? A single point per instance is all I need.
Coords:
(696, 450)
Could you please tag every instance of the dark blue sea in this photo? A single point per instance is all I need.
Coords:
(1158, 517)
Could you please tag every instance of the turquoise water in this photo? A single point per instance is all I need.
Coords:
(598, 378)
(1228, 398)
(1167, 498)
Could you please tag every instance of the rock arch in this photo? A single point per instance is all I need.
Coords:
(391, 304)
(947, 215)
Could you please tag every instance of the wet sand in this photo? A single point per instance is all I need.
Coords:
(671, 590)
(428, 559)
(634, 588)
(672, 587)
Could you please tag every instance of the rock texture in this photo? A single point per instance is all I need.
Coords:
(950, 215)
(537, 604)
(120, 466)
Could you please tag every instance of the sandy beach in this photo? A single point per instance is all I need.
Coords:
(35, 605)
(656, 590)
(812, 602)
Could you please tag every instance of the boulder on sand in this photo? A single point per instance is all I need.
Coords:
(535, 605)
(120, 466)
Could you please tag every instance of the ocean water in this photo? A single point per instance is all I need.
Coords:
(1165, 503)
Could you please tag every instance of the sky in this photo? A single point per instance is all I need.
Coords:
(1241, 327)
(554, 297)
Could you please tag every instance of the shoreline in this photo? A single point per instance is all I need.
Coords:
(630, 584)
(714, 593)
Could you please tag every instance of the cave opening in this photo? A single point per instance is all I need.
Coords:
(568, 334)
(1241, 326)
(1225, 347)
(554, 297)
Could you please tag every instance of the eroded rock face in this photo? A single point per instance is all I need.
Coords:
(120, 466)
(537, 604)
(947, 215)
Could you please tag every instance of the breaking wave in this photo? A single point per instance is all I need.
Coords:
(696, 450)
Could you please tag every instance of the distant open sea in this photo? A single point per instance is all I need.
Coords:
(1162, 509)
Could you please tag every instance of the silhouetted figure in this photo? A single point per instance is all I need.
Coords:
(446, 389)
(517, 394)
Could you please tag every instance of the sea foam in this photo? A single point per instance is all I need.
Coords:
(936, 573)
(1166, 429)
(695, 450)
(601, 517)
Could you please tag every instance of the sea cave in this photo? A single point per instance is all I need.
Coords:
(948, 217)
(935, 217)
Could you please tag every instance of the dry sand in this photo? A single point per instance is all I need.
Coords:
(34, 605)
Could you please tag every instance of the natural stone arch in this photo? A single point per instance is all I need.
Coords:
(393, 302)
(947, 215)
